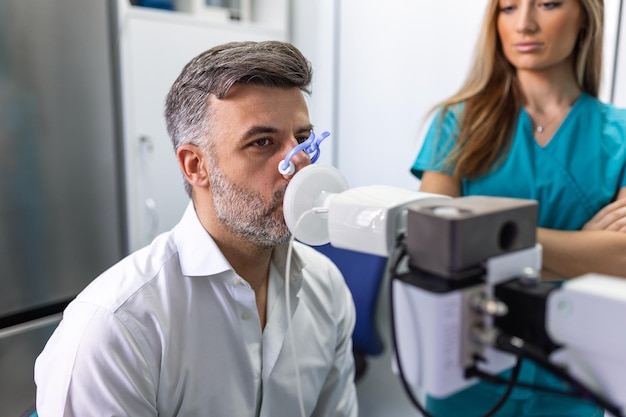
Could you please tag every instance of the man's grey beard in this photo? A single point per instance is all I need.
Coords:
(245, 213)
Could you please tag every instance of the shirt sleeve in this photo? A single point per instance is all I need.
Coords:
(92, 366)
(438, 142)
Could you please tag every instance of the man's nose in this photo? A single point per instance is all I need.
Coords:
(301, 159)
(297, 161)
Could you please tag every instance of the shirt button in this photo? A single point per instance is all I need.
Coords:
(245, 315)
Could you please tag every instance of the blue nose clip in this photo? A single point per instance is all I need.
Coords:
(311, 146)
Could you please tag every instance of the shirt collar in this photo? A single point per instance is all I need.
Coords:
(200, 256)
(197, 251)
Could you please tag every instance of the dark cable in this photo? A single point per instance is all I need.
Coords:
(509, 389)
(407, 388)
(498, 380)
(394, 341)
(522, 349)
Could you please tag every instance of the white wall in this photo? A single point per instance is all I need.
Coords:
(619, 87)
(314, 30)
(611, 24)
(398, 59)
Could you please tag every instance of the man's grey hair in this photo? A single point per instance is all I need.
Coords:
(214, 72)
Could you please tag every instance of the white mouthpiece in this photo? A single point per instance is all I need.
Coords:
(305, 197)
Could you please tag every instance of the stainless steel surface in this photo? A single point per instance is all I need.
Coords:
(17, 358)
(60, 221)
(30, 326)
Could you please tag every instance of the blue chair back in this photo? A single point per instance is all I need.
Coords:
(363, 274)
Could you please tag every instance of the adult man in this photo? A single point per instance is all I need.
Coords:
(195, 323)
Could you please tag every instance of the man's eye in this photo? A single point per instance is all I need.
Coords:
(301, 139)
(262, 142)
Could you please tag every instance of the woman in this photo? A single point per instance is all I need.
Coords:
(527, 124)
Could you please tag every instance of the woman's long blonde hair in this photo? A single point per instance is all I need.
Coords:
(491, 93)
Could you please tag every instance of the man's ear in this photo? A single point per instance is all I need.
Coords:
(192, 163)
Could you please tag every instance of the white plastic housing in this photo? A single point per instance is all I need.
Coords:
(585, 315)
(433, 337)
(434, 330)
(369, 219)
(307, 190)
(319, 208)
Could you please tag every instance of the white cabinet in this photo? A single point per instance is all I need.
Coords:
(153, 46)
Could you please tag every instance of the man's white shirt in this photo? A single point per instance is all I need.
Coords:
(172, 330)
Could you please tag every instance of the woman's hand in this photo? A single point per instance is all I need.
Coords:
(611, 217)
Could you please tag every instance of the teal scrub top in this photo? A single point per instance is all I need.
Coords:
(579, 171)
